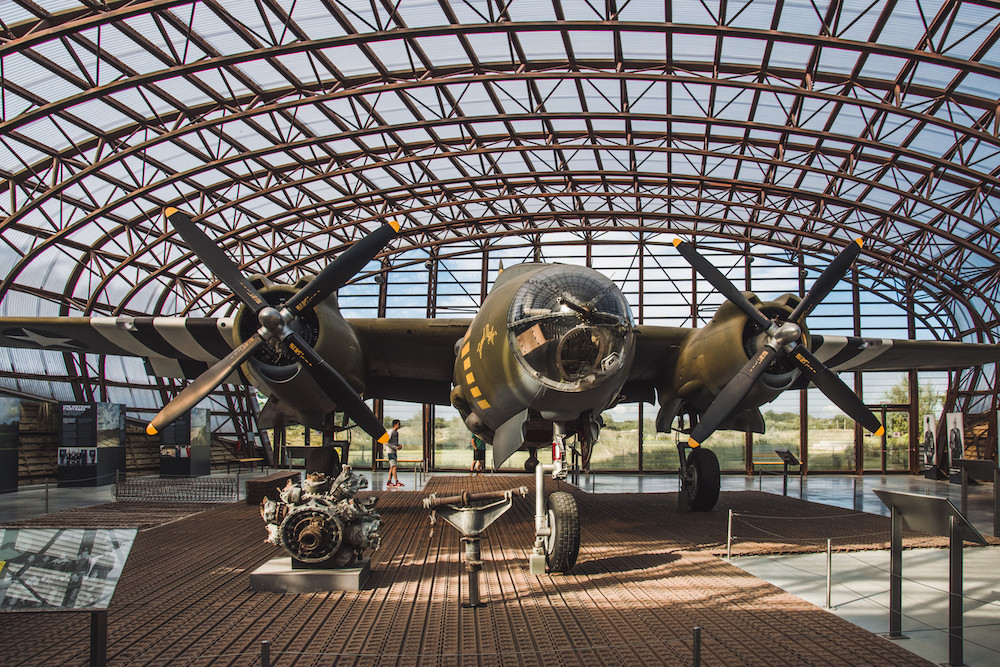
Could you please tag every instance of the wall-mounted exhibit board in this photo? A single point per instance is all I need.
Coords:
(185, 446)
(91, 443)
(10, 440)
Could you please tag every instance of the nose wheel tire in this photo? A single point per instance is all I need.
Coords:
(562, 545)
(702, 480)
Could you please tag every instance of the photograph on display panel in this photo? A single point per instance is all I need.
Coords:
(955, 434)
(929, 446)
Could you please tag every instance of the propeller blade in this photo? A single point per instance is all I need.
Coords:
(336, 387)
(720, 282)
(218, 262)
(343, 268)
(192, 394)
(827, 281)
(732, 395)
(836, 389)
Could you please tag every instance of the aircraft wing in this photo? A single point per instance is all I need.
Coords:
(405, 359)
(409, 359)
(842, 353)
(181, 347)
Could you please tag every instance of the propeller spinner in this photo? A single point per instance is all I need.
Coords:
(274, 323)
(783, 340)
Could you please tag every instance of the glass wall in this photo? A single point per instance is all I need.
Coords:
(618, 445)
(830, 433)
(452, 440)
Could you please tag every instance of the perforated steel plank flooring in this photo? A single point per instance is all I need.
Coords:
(646, 576)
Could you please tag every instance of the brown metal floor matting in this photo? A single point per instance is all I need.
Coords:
(647, 574)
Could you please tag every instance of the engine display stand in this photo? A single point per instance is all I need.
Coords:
(278, 576)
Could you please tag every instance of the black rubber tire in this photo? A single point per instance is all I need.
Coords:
(563, 545)
(703, 492)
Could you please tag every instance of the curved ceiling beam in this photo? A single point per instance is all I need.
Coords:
(513, 28)
(139, 192)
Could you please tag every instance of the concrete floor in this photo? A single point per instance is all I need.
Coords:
(860, 580)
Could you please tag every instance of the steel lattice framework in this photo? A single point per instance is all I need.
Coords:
(510, 128)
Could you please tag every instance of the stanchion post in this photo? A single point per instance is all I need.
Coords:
(729, 537)
(829, 570)
(237, 485)
(996, 502)
(965, 491)
(696, 657)
(265, 653)
(896, 575)
(956, 632)
(47, 495)
(99, 638)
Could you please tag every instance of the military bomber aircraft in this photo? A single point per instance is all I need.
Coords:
(550, 349)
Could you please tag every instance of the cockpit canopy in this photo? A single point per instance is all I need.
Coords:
(571, 328)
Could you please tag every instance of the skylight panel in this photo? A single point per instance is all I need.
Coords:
(598, 45)
(647, 97)
(732, 103)
(642, 10)
(905, 25)
(101, 114)
(743, 51)
(491, 47)
(444, 50)
(882, 67)
(799, 16)
(542, 45)
(933, 140)
(572, 125)
(530, 11)
(350, 60)
(789, 55)
(837, 61)
(422, 13)
(32, 76)
(980, 85)
(644, 46)
(696, 48)
(937, 76)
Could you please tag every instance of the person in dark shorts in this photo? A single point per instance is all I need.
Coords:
(478, 455)
(392, 447)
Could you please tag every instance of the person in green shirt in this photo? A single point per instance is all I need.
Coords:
(478, 455)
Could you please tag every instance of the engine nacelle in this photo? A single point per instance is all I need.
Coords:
(714, 354)
(276, 372)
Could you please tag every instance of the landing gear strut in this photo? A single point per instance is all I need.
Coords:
(557, 522)
(700, 479)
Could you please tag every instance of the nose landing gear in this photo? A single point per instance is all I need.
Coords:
(557, 522)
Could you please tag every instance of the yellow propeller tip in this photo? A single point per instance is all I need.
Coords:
(150, 430)
(394, 224)
(693, 444)
(880, 431)
(169, 211)
(860, 242)
(677, 242)
(384, 438)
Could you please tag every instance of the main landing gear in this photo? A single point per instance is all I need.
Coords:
(557, 521)
(700, 479)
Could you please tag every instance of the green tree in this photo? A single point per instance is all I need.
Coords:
(928, 402)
